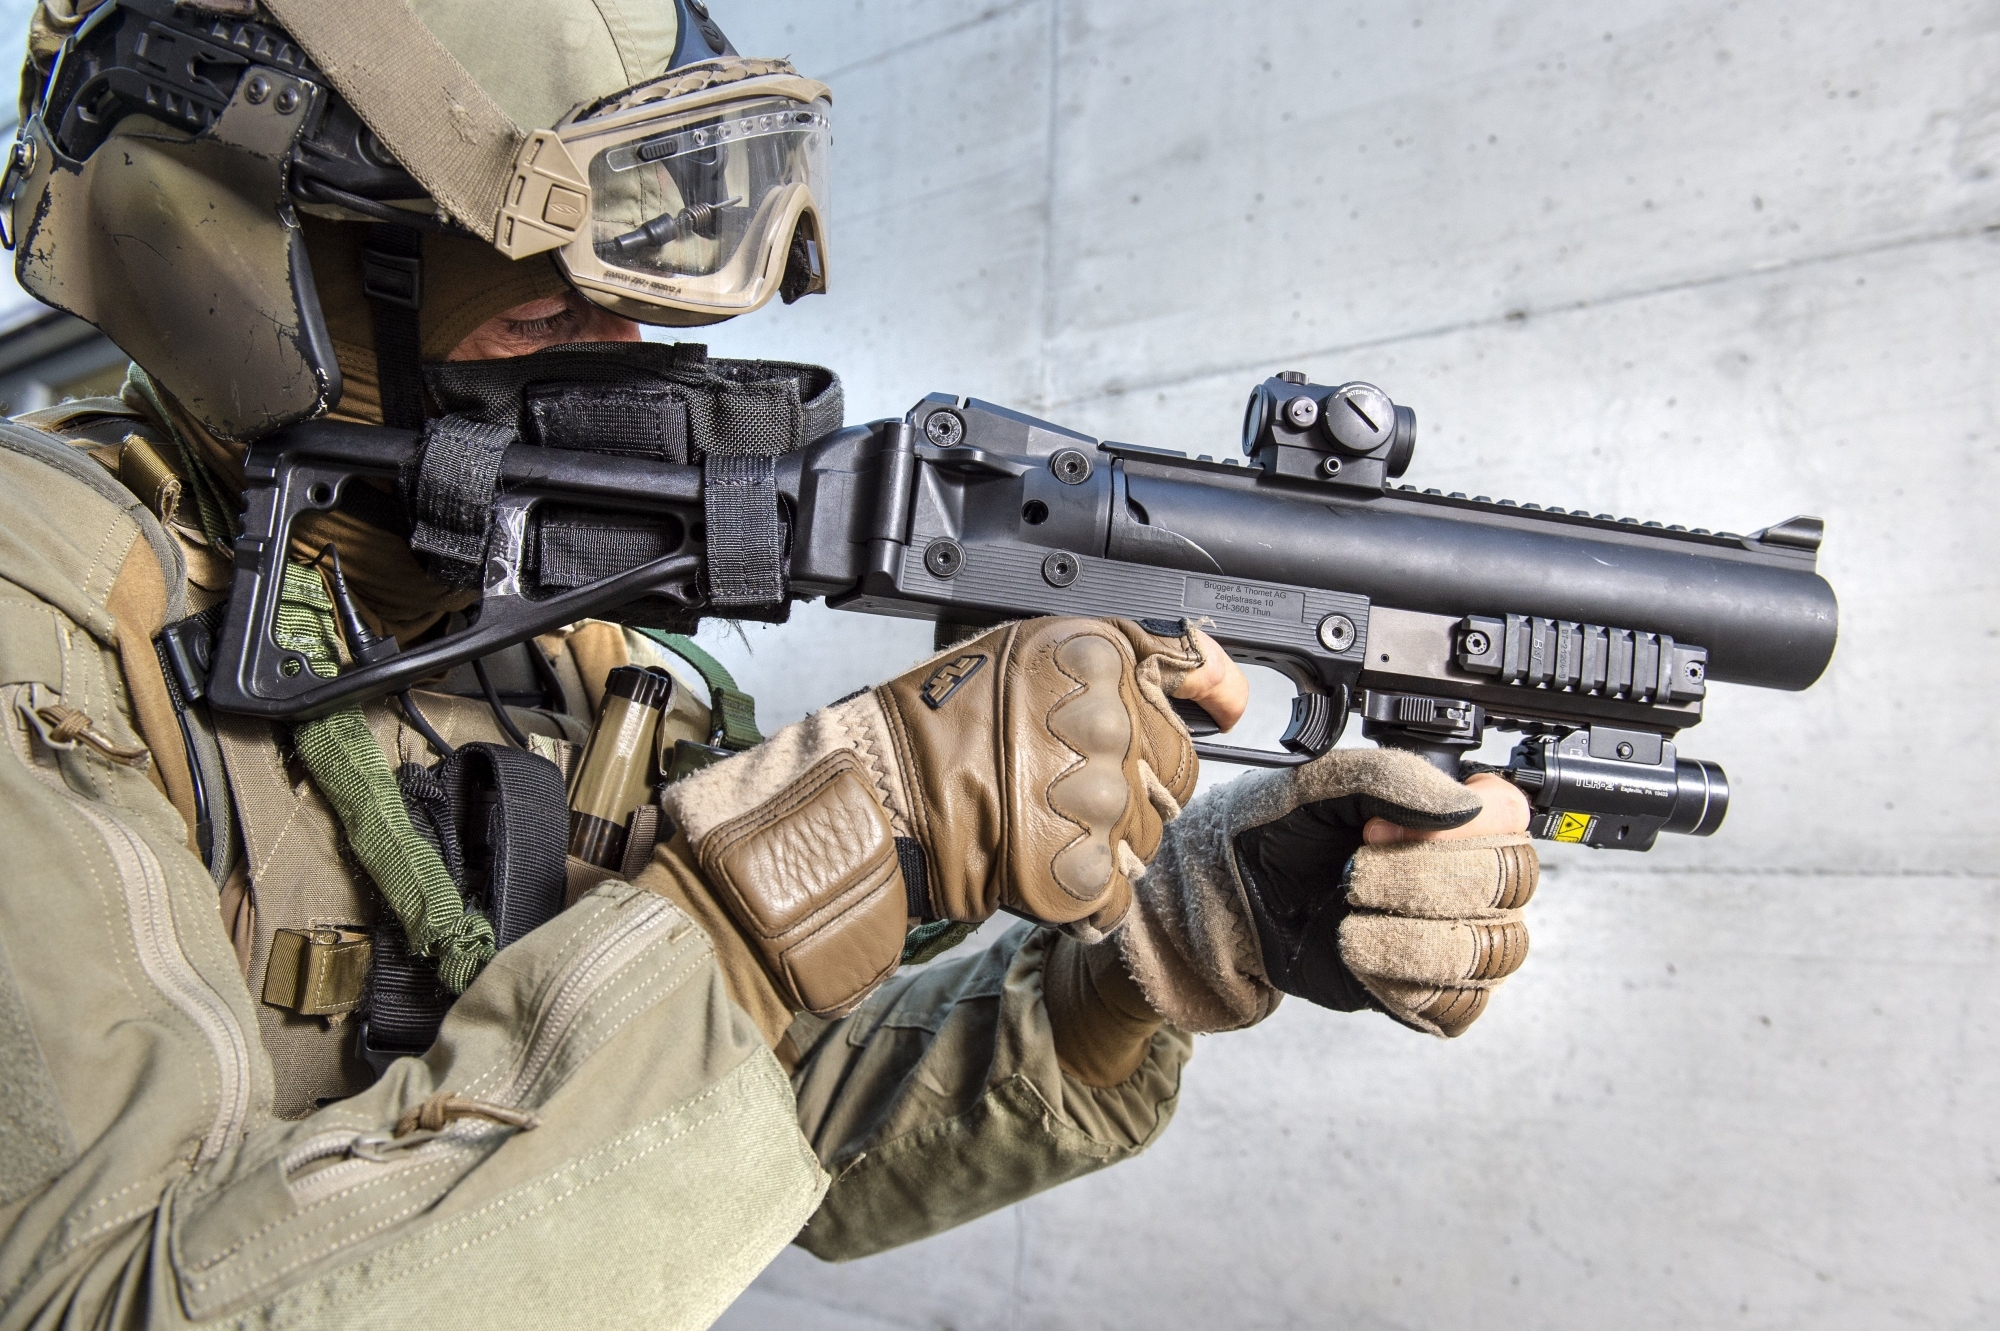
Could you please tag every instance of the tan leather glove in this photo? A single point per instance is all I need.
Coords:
(1029, 769)
(1264, 887)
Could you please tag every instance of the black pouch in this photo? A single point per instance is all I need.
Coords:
(634, 399)
(499, 819)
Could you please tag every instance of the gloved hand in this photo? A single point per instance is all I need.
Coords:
(1302, 881)
(1030, 768)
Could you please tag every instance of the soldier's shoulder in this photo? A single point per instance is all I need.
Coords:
(68, 523)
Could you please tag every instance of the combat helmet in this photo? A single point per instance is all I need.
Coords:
(165, 161)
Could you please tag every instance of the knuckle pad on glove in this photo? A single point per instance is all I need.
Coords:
(1160, 664)
(1024, 751)
(1437, 952)
(1445, 880)
(1092, 721)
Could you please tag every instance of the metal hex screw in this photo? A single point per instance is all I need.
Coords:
(1330, 467)
(1336, 633)
(1070, 466)
(944, 557)
(1477, 643)
(1060, 569)
(257, 90)
(1694, 671)
(288, 101)
(1624, 748)
(944, 427)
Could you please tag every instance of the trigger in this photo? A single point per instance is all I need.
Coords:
(1312, 729)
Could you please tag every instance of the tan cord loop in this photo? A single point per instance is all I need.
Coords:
(68, 726)
(434, 1113)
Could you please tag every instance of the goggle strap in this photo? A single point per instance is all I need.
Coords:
(392, 277)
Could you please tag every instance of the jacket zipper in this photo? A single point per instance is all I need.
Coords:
(157, 941)
(591, 971)
(574, 989)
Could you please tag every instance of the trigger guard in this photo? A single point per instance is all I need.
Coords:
(1236, 753)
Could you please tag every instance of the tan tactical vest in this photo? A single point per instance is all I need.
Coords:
(295, 901)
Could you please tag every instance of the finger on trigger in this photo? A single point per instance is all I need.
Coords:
(1217, 684)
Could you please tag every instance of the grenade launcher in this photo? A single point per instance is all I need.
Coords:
(1432, 616)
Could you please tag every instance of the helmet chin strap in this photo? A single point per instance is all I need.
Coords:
(392, 277)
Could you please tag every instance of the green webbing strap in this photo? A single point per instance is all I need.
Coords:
(934, 940)
(734, 711)
(350, 770)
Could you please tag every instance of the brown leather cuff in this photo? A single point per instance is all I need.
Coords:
(1101, 1022)
(812, 879)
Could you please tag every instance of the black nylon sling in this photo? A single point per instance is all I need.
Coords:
(519, 798)
(499, 819)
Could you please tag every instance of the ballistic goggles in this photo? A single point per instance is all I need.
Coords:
(677, 201)
(152, 192)
(684, 200)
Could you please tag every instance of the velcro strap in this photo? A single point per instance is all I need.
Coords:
(456, 477)
(739, 499)
(638, 419)
(916, 879)
(576, 547)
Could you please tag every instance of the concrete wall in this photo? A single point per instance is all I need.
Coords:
(1711, 263)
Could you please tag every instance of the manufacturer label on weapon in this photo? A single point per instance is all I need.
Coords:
(1244, 598)
(1573, 827)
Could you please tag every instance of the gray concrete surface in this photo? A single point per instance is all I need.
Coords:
(1711, 263)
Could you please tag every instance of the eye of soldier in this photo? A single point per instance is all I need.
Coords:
(563, 317)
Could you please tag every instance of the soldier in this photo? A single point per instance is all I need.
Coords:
(228, 946)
